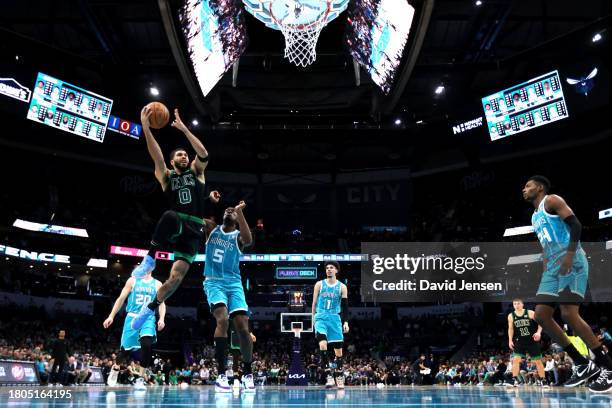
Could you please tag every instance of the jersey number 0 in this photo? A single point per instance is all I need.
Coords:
(184, 196)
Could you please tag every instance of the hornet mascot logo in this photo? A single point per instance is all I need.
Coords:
(583, 85)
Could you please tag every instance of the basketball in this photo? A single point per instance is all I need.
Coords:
(159, 116)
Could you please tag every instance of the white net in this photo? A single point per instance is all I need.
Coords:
(301, 42)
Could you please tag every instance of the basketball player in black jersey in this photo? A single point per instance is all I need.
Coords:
(181, 227)
(523, 339)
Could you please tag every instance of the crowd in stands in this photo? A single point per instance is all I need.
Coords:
(476, 208)
(373, 354)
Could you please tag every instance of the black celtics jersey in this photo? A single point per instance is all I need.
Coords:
(524, 327)
(185, 193)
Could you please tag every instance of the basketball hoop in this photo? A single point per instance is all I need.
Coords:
(301, 41)
(300, 21)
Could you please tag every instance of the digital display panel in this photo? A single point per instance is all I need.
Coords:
(534, 103)
(18, 372)
(96, 376)
(50, 228)
(296, 273)
(124, 127)
(376, 37)
(67, 107)
(215, 33)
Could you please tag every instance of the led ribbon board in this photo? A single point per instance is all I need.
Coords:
(33, 255)
(168, 256)
(52, 229)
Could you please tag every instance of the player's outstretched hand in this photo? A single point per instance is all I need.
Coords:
(214, 196)
(240, 206)
(145, 117)
(107, 323)
(177, 122)
(345, 327)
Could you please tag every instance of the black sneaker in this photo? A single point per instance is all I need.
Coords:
(603, 383)
(581, 374)
(544, 383)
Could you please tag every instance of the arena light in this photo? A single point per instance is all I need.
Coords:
(52, 229)
(195, 122)
(605, 214)
(597, 37)
(478, 3)
(510, 232)
(398, 121)
(154, 91)
(439, 90)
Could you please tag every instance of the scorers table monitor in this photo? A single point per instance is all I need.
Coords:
(69, 108)
(534, 103)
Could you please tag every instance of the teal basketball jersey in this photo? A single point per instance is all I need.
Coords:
(551, 230)
(222, 255)
(143, 292)
(329, 298)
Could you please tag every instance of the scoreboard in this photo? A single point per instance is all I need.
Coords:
(69, 108)
(534, 103)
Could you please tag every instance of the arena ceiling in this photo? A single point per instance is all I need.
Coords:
(121, 48)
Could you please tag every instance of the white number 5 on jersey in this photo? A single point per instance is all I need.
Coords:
(218, 255)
